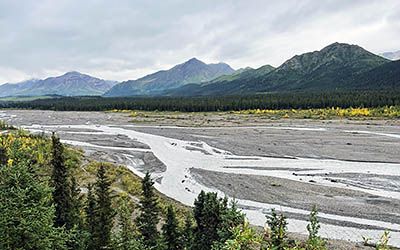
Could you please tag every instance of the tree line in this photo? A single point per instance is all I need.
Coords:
(292, 100)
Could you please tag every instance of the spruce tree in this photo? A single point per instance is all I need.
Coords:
(187, 234)
(62, 189)
(207, 213)
(231, 217)
(90, 216)
(170, 231)
(198, 210)
(149, 217)
(214, 220)
(126, 238)
(27, 213)
(103, 213)
(79, 234)
(75, 211)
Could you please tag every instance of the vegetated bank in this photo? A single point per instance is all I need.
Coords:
(294, 100)
(73, 204)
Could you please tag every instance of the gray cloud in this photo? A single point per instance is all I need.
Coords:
(124, 39)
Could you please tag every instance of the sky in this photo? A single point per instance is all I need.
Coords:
(127, 39)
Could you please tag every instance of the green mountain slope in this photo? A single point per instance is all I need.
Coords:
(334, 67)
(223, 84)
(386, 76)
(243, 74)
(192, 71)
(327, 69)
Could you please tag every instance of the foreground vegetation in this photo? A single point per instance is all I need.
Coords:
(273, 101)
(51, 199)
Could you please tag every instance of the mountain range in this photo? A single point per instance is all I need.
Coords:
(70, 84)
(338, 66)
(334, 67)
(192, 71)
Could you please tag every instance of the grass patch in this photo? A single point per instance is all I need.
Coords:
(391, 112)
(5, 126)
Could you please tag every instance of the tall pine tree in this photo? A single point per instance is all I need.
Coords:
(187, 234)
(27, 213)
(90, 216)
(214, 220)
(79, 235)
(231, 217)
(170, 231)
(126, 238)
(207, 213)
(149, 217)
(62, 188)
(104, 212)
(75, 210)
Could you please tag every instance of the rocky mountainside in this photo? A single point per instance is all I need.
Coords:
(334, 67)
(69, 84)
(192, 71)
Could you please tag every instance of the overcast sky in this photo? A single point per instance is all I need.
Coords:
(120, 40)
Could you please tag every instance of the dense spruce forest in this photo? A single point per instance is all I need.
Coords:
(43, 205)
(295, 100)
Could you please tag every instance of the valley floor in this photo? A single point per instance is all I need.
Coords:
(349, 168)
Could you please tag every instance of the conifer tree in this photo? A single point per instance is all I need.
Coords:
(207, 213)
(75, 210)
(170, 231)
(90, 216)
(231, 217)
(214, 220)
(198, 210)
(27, 213)
(187, 234)
(62, 189)
(126, 238)
(79, 235)
(66, 197)
(103, 213)
(149, 217)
